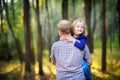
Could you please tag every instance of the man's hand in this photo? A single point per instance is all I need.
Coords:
(89, 61)
(53, 62)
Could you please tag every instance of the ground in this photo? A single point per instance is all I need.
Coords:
(13, 70)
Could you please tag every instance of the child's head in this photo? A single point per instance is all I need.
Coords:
(78, 27)
(64, 27)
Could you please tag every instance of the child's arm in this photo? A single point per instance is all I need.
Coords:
(80, 44)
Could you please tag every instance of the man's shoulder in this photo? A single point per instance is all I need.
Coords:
(61, 43)
(86, 46)
(57, 43)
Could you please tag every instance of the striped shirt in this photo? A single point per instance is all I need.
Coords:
(68, 60)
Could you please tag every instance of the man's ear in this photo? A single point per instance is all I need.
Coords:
(60, 33)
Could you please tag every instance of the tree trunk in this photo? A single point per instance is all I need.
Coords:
(39, 40)
(32, 57)
(93, 23)
(13, 11)
(49, 27)
(118, 19)
(64, 9)
(27, 35)
(94, 16)
(2, 33)
(110, 31)
(4, 43)
(88, 22)
(19, 51)
(103, 36)
(73, 10)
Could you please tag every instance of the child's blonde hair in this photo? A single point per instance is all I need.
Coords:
(74, 24)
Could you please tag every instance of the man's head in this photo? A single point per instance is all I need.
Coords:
(64, 27)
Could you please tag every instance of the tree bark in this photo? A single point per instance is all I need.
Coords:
(27, 35)
(94, 16)
(103, 36)
(13, 11)
(118, 19)
(64, 9)
(88, 22)
(73, 10)
(93, 23)
(3, 36)
(39, 40)
(49, 27)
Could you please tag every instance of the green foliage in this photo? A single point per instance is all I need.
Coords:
(111, 43)
(97, 43)
(55, 15)
(54, 6)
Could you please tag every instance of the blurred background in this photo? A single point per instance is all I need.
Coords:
(28, 28)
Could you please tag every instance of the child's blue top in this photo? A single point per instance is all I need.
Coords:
(81, 43)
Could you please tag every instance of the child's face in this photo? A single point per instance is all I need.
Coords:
(79, 28)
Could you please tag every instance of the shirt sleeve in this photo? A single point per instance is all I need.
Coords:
(87, 54)
(52, 55)
(80, 44)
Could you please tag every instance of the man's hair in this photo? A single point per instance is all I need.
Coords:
(64, 26)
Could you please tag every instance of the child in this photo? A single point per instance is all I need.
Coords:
(78, 31)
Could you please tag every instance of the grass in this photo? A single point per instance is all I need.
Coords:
(113, 65)
(15, 71)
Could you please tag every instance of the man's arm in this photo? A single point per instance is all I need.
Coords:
(89, 61)
(87, 55)
(53, 61)
(52, 55)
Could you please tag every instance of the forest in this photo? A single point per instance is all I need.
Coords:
(28, 28)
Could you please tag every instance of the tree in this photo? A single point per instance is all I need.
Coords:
(49, 27)
(12, 8)
(73, 10)
(118, 18)
(64, 9)
(3, 36)
(39, 40)
(93, 24)
(16, 41)
(103, 35)
(94, 16)
(27, 35)
(88, 22)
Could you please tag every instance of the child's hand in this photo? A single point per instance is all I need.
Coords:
(70, 39)
(62, 38)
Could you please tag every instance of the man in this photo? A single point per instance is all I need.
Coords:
(68, 58)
